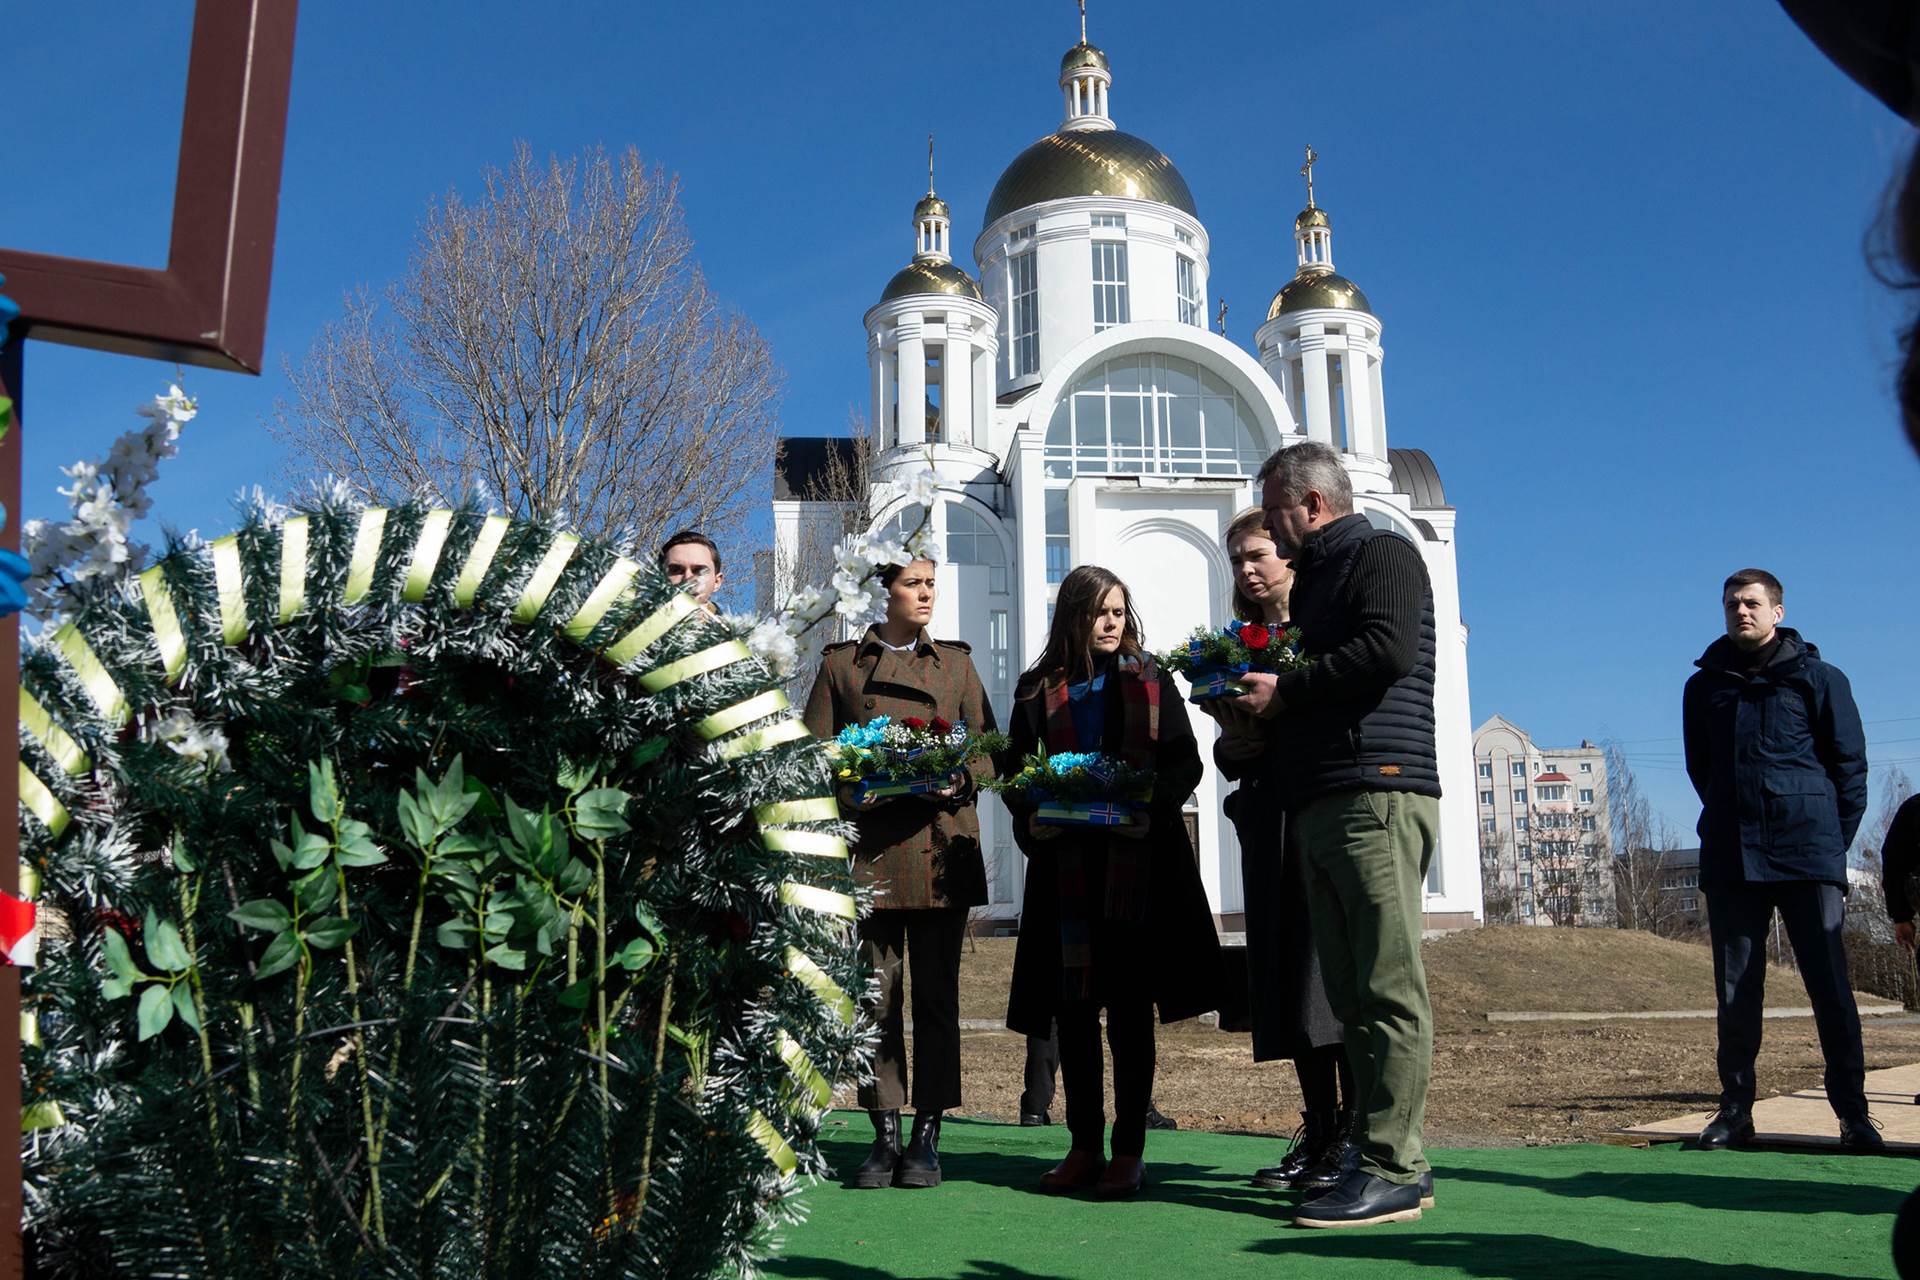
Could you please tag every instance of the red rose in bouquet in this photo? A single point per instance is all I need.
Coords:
(940, 725)
(1255, 636)
(914, 723)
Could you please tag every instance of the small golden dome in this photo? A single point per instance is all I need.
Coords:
(931, 206)
(920, 276)
(1311, 217)
(1083, 55)
(1315, 291)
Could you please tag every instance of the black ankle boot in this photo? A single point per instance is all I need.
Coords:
(1338, 1158)
(1310, 1142)
(920, 1166)
(885, 1156)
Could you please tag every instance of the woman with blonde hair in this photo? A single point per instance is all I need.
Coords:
(1288, 1002)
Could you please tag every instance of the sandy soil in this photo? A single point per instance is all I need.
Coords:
(1494, 1084)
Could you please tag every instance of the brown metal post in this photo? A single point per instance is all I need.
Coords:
(12, 1266)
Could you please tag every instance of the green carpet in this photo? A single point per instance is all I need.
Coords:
(1566, 1212)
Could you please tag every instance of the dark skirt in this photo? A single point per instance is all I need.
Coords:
(1287, 999)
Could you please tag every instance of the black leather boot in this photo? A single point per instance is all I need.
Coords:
(1860, 1134)
(920, 1166)
(1340, 1158)
(878, 1169)
(1310, 1141)
(1731, 1126)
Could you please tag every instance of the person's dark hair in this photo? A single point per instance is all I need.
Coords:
(1776, 594)
(682, 538)
(893, 571)
(1069, 648)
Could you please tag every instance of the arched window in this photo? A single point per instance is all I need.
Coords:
(1152, 414)
(1391, 521)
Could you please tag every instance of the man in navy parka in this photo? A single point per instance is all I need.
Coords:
(1775, 750)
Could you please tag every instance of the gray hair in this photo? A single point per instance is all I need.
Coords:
(1310, 466)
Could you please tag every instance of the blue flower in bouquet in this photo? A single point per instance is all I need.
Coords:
(871, 734)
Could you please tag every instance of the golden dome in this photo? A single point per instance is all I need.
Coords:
(1083, 55)
(1090, 162)
(1311, 217)
(930, 277)
(931, 206)
(1316, 290)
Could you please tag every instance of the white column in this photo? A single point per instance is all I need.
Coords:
(1379, 402)
(883, 427)
(913, 388)
(1313, 366)
(956, 378)
(1361, 435)
(877, 374)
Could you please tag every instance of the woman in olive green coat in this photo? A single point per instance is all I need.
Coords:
(921, 857)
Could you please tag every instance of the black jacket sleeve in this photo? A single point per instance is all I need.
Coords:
(1694, 736)
(1841, 744)
(1900, 858)
(1176, 762)
(1386, 585)
(1023, 739)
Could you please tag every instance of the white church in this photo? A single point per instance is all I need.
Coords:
(1078, 410)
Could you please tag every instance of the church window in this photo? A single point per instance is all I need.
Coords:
(997, 646)
(1186, 285)
(1110, 220)
(1021, 234)
(1109, 284)
(997, 580)
(1183, 235)
(971, 540)
(1024, 290)
(1059, 541)
(1151, 414)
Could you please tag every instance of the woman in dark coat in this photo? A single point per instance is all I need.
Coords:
(1288, 1001)
(1115, 918)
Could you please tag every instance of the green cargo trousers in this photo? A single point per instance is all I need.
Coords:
(1366, 855)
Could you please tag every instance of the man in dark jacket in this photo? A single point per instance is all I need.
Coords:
(1776, 752)
(1358, 769)
(1899, 860)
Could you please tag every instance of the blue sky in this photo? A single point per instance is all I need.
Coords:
(1617, 250)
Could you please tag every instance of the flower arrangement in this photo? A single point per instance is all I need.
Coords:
(1079, 788)
(907, 757)
(1212, 658)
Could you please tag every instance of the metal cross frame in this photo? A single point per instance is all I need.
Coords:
(207, 307)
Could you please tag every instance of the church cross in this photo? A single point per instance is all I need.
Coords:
(1306, 171)
(929, 164)
(1220, 318)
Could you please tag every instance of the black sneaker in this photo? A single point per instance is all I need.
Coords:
(1362, 1200)
(1034, 1119)
(1157, 1121)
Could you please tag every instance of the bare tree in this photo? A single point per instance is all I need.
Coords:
(1644, 849)
(1875, 961)
(1499, 888)
(556, 343)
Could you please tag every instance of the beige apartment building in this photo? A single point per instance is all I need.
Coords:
(1545, 855)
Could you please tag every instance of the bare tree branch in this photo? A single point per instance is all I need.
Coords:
(556, 342)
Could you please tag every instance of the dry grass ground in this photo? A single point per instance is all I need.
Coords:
(1493, 1083)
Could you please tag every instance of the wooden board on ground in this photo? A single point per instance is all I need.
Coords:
(1804, 1121)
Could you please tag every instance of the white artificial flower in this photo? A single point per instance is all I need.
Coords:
(205, 745)
(770, 642)
(924, 487)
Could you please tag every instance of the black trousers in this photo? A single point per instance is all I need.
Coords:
(932, 937)
(1043, 1063)
(1130, 1037)
(1738, 917)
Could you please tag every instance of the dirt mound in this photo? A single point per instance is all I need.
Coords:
(1517, 967)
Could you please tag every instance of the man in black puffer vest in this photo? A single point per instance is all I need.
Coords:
(1363, 800)
(1775, 748)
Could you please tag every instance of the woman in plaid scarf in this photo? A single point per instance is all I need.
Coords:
(1115, 918)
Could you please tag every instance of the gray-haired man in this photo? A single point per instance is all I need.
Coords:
(1363, 804)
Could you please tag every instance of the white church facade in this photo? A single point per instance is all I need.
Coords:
(1078, 410)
